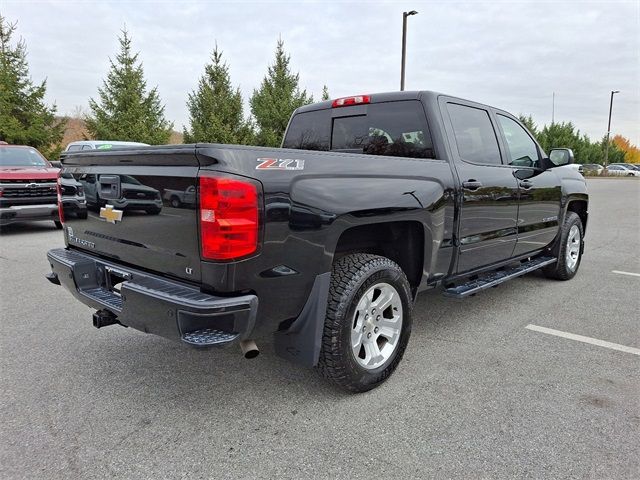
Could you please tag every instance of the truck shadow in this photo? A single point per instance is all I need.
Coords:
(145, 365)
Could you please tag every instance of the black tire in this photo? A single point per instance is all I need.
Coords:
(83, 215)
(175, 202)
(351, 277)
(58, 224)
(561, 270)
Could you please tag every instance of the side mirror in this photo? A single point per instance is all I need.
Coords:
(561, 156)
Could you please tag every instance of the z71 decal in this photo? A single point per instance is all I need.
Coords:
(280, 164)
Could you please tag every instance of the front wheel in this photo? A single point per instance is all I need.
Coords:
(368, 322)
(568, 250)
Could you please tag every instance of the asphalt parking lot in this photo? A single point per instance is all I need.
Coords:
(478, 395)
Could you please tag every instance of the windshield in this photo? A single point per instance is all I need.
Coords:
(21, 157)
(129, 179)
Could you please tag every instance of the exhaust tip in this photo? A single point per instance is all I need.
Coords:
(249, 349)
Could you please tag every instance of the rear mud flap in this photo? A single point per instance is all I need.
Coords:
(301, 343)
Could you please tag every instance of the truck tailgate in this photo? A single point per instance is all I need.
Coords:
(141, 208)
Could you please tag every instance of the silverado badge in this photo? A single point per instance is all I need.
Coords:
(110, 214)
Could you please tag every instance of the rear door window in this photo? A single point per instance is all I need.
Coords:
(475, 137)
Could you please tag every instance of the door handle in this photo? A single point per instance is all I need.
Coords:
(471, 184)
(525, 184)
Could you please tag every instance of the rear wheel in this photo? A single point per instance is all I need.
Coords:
(368, 322)
(175, 202)
(568, 250)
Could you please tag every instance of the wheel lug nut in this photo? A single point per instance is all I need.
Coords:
(378, 318)
(373, 312)
(369, 335)
(364, 329)
(375, 330)
(366, 317)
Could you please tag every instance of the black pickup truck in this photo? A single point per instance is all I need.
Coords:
(321, 247)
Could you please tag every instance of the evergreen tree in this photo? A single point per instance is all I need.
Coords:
(565, 135)
(124, 110)
(215, 109)
(325, 93)
(24, 116)
(528, 122)
(279, 95)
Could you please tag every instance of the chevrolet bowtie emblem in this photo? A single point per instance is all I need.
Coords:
(110, 214)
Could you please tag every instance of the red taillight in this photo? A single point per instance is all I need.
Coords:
(346, 101)
(60, 206)
(228, 218)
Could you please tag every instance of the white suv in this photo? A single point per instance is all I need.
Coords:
(100, 145)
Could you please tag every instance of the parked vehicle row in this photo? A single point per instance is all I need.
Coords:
(623, 169)
(29, 185)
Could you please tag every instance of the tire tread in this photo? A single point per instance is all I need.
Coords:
(348, 274)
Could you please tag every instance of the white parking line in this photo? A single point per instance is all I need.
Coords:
(619, 272)
(580, 338)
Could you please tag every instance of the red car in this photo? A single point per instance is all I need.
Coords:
(28, 186)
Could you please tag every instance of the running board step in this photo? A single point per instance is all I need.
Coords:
(208, 337)
(493, 279)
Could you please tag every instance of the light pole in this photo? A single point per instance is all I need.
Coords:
(606, 149)
(404, 44)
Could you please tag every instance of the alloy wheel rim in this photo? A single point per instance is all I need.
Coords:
(573, 248)
(376, 326)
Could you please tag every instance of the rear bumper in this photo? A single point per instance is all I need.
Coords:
(150, 303)
(20, 213)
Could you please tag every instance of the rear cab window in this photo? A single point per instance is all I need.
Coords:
(397, 129)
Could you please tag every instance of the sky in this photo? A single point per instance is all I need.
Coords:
(510, 54)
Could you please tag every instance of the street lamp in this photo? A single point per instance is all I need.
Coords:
(404, 44)
(606, 149)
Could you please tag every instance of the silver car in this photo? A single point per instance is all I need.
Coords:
(622, 170)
